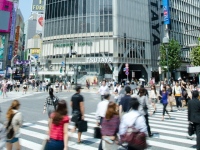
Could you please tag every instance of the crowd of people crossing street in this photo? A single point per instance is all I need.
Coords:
(121, 110)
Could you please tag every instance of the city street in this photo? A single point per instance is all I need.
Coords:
(168, 134)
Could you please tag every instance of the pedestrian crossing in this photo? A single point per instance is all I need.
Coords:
(170, 134)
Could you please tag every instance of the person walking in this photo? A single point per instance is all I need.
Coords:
(133, 118)
(110, 127)
(170, 97)
(58, 128)
(68, 86)
(164, 101)
(124, 106)
(18, 85)
(47, 85)
(194, 115)
(103, 89)
(14, 117)
(50, 102)
(143, 108)
(116, 92)
(57, 86)
(77, 104)
(102, 108)
(154, 98)
(4, 89)
(24, 87)
(44, 85)
(177, 93)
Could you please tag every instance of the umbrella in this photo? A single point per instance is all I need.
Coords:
(141, 79)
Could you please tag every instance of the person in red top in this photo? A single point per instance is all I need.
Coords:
(58, 128)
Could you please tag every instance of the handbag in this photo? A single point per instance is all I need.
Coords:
(82, 126)
(191, 129)
(10, 129)
(134, 137)
(97, 132)
(76, 116)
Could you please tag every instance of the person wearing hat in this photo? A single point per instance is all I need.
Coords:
(77, 104)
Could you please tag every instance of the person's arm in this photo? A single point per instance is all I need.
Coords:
(82, 109)
(120, 110)
(65, 131)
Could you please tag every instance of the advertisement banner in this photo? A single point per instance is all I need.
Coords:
(13, 23)
(2, 45)
(1, 65)
(38, 5)
(16, 40)
(10, 50)
(166, 11)
(40, 20)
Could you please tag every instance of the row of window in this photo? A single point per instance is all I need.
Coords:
(79, 25)
(77, 8)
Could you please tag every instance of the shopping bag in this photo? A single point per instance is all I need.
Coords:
(82, 126)
(97, 132)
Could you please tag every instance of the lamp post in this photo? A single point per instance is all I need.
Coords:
(166, 42)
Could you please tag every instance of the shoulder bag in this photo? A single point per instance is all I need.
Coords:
(191, 129)
(134, 137)
(10, 129)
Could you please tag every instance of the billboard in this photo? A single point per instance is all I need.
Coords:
(10, 51)
(39, 25)
(38, 6)
(5, 16)
(17, 34)
(166, 11)
(13, 23)
(2, 45)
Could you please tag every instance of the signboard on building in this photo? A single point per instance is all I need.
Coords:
(38, 5)
(17, 34)
(10, 50)
(35, 51)
(2, 45)
(1, 65)
(99, 60)
(39, 25)
(13, 23)
(166, 11)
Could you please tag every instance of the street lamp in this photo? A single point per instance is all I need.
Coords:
(165, 43)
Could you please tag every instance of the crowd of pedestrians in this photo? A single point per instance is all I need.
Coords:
(129, 109)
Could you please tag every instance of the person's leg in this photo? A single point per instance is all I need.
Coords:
(100, 146)
(198, 136)
(177, 102)
(147, 123)
(9, 146)
(16, 145)
(79, 136)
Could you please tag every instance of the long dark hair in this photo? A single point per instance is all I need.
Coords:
(60, 112)
(51, 93)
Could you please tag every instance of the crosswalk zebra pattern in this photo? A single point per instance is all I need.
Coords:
(170, 134)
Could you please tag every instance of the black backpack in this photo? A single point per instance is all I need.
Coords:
(9, 129)
(55, 102)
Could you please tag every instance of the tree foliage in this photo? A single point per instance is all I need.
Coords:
(195, 55)
(174, 55)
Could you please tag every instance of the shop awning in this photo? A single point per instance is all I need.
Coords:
(55, 73)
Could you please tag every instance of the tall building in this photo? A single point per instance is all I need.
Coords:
(184, 27)
(94, 39)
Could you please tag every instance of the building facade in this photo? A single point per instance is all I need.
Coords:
(184, 27)
(94, 39)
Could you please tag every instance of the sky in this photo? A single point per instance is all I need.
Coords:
(25, 7)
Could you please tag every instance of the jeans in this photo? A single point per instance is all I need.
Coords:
(164, 109)
(178, 101)
(147, 123)
(54, 145)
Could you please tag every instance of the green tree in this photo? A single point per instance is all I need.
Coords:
(195, 55)
(174, 55)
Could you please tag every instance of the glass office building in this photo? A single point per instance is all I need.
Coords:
(98, 37)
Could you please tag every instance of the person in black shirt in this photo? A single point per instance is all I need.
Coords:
(77, 104)
(124, 104)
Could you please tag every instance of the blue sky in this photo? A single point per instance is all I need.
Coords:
(25, 7)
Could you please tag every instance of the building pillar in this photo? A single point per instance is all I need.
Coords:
(115, 72)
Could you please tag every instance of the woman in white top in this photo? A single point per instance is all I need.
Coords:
(15, 117)
(177, 92)
(56, 86)
(153, 98)
(24, 87)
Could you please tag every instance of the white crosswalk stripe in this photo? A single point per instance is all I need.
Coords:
(170, 134)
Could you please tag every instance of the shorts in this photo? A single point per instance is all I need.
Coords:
(56, 86)
(154, 100)
(15, 139)
(18, 86)
(25, 88)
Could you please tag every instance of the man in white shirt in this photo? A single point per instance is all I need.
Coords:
(103, 89)
(102, 108)
(116, 91)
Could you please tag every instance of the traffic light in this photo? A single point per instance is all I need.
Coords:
(60, 69)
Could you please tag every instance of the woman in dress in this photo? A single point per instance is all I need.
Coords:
(58, 128)
(15, 117)
(154, 98)
(4, 88)
(164, 101)
(110, 127)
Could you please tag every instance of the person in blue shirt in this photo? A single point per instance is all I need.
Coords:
(164, 101)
